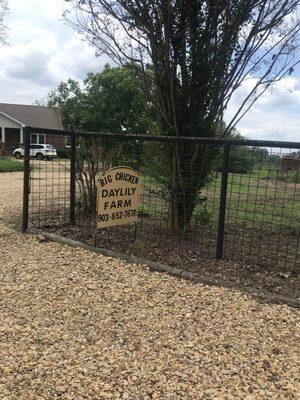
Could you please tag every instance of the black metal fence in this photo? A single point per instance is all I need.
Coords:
(246, 207)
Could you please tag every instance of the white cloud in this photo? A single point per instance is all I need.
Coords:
(43, 51)
(275, 116)
(29, 64)
(75, 60)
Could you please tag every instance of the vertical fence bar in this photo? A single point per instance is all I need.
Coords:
(26, 179)
(72, 178)
(222, 208)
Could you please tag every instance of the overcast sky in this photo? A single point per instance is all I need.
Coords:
(43, 51)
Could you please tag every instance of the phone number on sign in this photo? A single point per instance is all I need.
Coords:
(116, 215)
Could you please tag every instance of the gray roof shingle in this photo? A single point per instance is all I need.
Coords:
(36, 116)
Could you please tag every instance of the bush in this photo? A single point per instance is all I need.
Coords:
(9, 165)
(144, 210)
(277, 175)
(63, 154)
(293, 177)
(202, 216)
(241, 160)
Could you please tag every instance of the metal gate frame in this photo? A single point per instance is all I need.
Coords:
(226, 143)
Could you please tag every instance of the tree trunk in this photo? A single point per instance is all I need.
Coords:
(183, 205)
(191, 167)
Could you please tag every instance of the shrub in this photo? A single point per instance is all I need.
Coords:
(202, 216)
(144, 210)
(63, 154)
(9, 165)
(241, 160)
(293, 177)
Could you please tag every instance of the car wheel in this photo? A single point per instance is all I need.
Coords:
(39, 156)
(18, 155)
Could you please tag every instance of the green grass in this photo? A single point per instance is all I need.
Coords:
(263, 196)
(10, 165)
(144, 210)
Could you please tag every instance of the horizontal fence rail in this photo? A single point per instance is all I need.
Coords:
(129, 137)
(200, 198)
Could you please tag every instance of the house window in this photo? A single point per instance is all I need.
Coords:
(38, 138)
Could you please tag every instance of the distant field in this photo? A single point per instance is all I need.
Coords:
(263, 196)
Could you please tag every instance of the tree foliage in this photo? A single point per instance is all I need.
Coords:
(243, 159)
(110, 101)
(200, 53)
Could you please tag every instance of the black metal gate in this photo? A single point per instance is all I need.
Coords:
(248, 208)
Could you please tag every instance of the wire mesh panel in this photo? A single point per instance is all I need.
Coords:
(49, 198)
(193, 194)
(263, 214)
(156, 235)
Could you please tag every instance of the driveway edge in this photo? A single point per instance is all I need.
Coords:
(158, 267)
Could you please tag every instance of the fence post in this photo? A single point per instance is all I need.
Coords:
(72, 178)
(222, 208)
(26, 179)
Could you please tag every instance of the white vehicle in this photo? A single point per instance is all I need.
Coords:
(39, 151)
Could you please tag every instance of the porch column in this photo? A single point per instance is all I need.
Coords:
(21, 135)
(2, 144)
(2, 134)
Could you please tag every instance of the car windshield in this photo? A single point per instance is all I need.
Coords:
(49, 146)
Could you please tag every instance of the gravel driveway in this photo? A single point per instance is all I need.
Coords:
(78, 325)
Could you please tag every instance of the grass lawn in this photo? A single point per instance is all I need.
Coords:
(264, 196)
(8, 164)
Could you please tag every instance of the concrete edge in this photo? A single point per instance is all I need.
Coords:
(158, 267)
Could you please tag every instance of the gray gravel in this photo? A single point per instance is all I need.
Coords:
(78, 325)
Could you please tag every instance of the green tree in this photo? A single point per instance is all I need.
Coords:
(244, 158)
(201, 52)
(110, 101)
